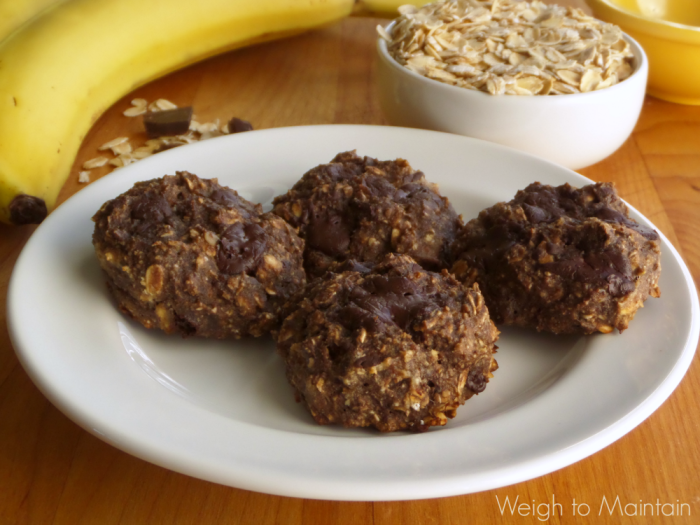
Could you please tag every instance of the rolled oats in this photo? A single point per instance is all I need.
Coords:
(95, 163)
(509, 47)
(139, 106)
(121, 148)
(113, 143)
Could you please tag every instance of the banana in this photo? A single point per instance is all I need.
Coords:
(384, 8)
(60, 72)
(15, 13)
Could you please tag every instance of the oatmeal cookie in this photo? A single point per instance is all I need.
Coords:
(561, 259)
(393, 347)
(361, 208)
(189, 256)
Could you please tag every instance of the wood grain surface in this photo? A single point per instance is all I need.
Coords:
(53, 472)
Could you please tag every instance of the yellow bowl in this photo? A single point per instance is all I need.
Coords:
(672, 43)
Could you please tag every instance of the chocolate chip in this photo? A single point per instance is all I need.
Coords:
(613, 216)
(241, 248)
(237, 125)
(391, 300)
(25, 209)
(167, 122)
(226, 197)
(353, 317)
(476, 382)
(380, 187)
(328, 232)
(152, 209)
(608, 265)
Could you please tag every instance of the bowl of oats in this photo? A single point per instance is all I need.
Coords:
(544, 79)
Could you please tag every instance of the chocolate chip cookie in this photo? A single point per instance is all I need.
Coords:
(361, 208)
(561, 259)
(189, 256)
(390, 346)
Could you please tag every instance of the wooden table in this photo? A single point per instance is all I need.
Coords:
(52, 471)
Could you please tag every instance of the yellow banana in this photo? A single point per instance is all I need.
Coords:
(384, 8)
(15, 13)
(60, 72)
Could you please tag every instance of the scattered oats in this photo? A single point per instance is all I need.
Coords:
(121, 148)
(142, 153)
(209, 130)
(210, 135)
(135, 111)
(154, 144)
(125, 155)
(509, 47)
(209, 127)
(84, 177)
(161, 104)
(113, 143)
(97, 162)
(139, 107)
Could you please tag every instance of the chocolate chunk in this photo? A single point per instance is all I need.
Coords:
(382, 300)
(612, 216)
(151, 208)
(25, 209)
(353, 317)
(167, 122)
(476, 382)
(380, 187)
(608, 265)
(241, 249)
(237, 125)
(328, 232)
(227, 197)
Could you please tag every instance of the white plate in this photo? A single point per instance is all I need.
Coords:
(223, 411)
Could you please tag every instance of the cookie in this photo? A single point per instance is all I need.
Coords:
(361, 208)
(390, 346)
(561, 260)
(189, 256)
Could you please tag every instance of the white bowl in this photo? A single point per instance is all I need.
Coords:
(572, 130)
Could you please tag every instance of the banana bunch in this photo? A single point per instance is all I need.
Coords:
(63, 63)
